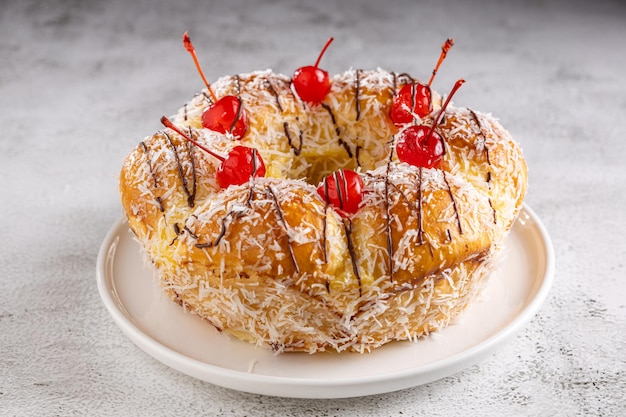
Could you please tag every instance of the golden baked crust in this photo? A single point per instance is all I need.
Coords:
(270, 262)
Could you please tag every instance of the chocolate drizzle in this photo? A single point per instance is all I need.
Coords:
(456, 211)
(231, 215)
(324, 229)
(191, 194)
(341, 186)
(191, 198)
(250, 196)
(224, 223)
(237, 116)
(357, 154)
(340, 141)
(152, 173)
(357, 93)
(192, 234)
(405, 79)
(482, 133)
(272, 90)
(207, 97)
(347, 226)
(420, 224)
(296, 149)
(495, 218)
(486, 151)
(388, 224)
(160, 202)
(281, 217)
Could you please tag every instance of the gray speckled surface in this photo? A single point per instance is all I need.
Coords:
(82, 82)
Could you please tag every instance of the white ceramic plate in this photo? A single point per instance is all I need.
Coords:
(190, 345)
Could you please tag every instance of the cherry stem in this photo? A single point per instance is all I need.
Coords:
(167, 123)
(445, 48)
(319, 58)
(457, 85)
(189, 47)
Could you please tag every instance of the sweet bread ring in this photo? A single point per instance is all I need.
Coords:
(271, 262)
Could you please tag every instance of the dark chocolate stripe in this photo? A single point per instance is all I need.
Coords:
(388, 224)
(250, 196)
(183, 179)
(272, 90)
(207, 97)
(296, 149)
(152, 173)
(403, 195)
(159, 200)
(405, 78)
(456, 211)
(346, 147)
(337, 131)
(392, 146)
(223, 229)
(192, 198)
(339, 188)
(495, 217)
(486, 150)
(188, 230)
(324, 228)
(482, 133)
(237, 116)
(357, 93)
(281, 217)
(347, 226)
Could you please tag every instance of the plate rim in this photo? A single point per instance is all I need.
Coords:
(323, 387)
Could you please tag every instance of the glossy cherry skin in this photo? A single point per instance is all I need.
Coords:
(241, 164)
(416, 97)
(311, 83)
(420, 147)
(343, 190)
(227, 115)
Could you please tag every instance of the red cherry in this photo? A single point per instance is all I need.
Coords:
(412, 98)
(417, 147)
(416, 98)
(420, 145)
(344, 190)
(312, 83)
(241, 164)
(224, 115)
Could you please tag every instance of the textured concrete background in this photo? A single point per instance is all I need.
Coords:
(82, 82)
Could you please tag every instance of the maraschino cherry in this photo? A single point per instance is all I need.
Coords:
(312, 83)
(226, 115)
(421, 145)
(241, 164)
(343, 190)
(416, 97)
